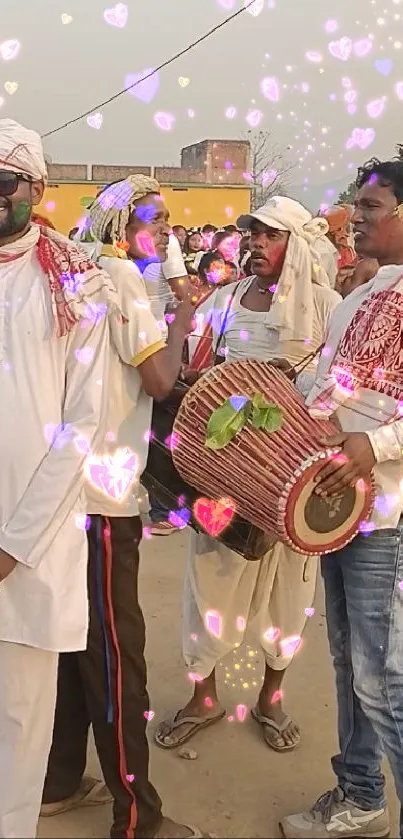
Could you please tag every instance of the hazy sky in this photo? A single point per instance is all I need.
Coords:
(301, 63)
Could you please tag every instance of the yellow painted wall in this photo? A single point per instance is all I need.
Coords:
(192, 207)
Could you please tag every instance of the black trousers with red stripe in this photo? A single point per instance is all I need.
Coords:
(106, 686)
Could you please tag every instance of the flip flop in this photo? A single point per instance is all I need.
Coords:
(91, 793)
(271, 727)
(166, 728)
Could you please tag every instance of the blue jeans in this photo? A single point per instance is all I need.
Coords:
(364, 607)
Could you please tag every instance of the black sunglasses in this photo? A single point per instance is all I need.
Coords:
(9, 181)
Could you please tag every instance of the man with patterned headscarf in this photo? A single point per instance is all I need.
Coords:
(106, 685)
(53, 369)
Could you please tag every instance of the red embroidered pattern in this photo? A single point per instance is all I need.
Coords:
(371, 350)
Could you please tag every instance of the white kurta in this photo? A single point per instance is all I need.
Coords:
(274, 592)
(45, 381)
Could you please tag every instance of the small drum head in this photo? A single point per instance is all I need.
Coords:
(319, 525)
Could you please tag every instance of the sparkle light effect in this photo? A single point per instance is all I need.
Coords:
(213, 622)
(9, 49)
(112, 475)
(241, 712)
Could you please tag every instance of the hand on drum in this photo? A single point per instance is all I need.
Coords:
(355, 461)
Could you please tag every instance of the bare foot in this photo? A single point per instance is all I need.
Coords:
(196, 715)
(173, 830)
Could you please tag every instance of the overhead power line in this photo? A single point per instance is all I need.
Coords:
(152, 73)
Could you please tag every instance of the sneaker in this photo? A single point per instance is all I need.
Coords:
(163, 528)
(335, 815)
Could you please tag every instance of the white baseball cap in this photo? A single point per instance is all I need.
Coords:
(273, 210)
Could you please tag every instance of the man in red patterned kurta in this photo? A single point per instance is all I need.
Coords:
(360, 380)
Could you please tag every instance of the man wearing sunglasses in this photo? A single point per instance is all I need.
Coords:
(53, 361)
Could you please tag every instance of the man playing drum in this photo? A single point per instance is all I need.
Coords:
(281, 310)
(360, 379)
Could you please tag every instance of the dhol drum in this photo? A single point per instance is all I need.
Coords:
(242, 431)
(164, 482)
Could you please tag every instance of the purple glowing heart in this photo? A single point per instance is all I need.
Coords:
(351, 109)
(179, 518)
(362, 47)
(384, 66)
(270, 88)
(376, 107)
(58, 435)
(144, 85)
(254, 117)
(238, 402)
(164, 121)
(341, 49)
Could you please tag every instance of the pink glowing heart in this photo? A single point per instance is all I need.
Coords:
(169, 317)
(277, 697)
(230, 718)
(362, 47)
(147, 533)
(208, 702)
(314, 56)
(376, 108)
(112, 475)
(213, 622)
(254, 117)
(82, 444)
(241, 712)
(361, 137)
(149, 715)
(272, 634)
(214, 516)
(401, 585)
(289, 646)
(310, 611)
(164, 121)
(269, 177)
(95, 121)
(117, 16)
(254, 7)
(130, 778)
(240, 623)
(247, 176)
(144, 85)
(351, 109)
(231, 112)
(305, 87)
(193, 636)
(270, 88)
(9, 49)
(341, 49)
(350, 96)
(399, 90)
(227, 4)
(85, 355)
(346, 82)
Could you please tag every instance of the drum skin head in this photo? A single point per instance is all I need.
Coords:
(319, 525)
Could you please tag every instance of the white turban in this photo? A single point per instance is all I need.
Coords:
(292, 309)
(21, 150)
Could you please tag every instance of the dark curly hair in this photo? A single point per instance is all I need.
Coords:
(387, 173)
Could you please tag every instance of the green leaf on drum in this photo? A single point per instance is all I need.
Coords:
(227, 421)
(266, 415)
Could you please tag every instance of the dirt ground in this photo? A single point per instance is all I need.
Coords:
(237, 787)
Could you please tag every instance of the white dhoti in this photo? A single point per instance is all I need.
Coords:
(225, 593)
(28, 683)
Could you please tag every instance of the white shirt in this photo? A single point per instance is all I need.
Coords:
(114, 476)
(156, 280)
(45, 381)
(250, 334)
(366, 409)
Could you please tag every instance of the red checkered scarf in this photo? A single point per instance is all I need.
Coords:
(74, 281)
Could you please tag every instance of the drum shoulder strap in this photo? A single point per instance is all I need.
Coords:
(218, 359)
